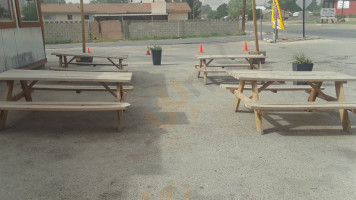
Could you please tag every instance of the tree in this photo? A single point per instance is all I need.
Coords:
(4, 13)
(234, 8)
(213, 15)
(205, 9)
(29, 12)
(195, 6)
(288, 5)
(54, 2)
(222, 10)
(109, 1)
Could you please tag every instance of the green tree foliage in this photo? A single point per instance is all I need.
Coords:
(205, 9)
(53, 2)
(213, 15)
(234, 8)
(4, 13)
(29, 12)
(288, 5)
(222, 10)
(109, 1)
(195, 6)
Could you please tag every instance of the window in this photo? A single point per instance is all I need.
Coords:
(7, 18)
(86, 17)
(49, 17)
(70, 17)
(28, 13)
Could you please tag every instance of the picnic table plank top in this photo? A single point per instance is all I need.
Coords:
(76, 76)
(312, 76)
(94, 55)
(229, 56)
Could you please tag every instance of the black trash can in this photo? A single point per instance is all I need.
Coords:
(156, 57)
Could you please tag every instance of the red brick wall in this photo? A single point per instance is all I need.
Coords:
(347, 11)
(110, 30)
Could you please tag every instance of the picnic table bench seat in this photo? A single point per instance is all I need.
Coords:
(95, 64)
(225, 65)
(292, 106)
(272, 88)
(79, 88)
(64, 106)
(261, 107)
(89, 69)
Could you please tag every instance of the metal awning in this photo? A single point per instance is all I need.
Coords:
(125, 15)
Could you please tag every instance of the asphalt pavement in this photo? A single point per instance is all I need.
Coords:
(181, 139)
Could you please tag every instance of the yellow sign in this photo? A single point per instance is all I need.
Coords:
(277, 11)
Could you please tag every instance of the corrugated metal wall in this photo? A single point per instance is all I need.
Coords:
(20, 47)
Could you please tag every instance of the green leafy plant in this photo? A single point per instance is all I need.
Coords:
(301, 58)
(156, 47)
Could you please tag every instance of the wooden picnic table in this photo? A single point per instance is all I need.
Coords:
(64, 62)
(206, 60)
(315, 79)
(29, 78)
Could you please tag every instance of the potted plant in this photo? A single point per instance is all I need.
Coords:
(302, 63)
(156, 52)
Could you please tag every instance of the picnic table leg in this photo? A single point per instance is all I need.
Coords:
(250, 61)
(60, 61)
(239, 90)
(258, 116)
(205, 73)
(344, 116)
(26, 90)
(119, 96)
(314, 93)
(120, 64)
(199, 67)
(117, 66)
(65, 62)
(8, 97)
(259, 63)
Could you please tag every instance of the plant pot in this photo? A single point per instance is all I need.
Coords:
(302, 67)
(84, 59)
(156, 57)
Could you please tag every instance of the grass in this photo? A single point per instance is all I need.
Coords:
(192, 36)
(59, 41)
(154, 38)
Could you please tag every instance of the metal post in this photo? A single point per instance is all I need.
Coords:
(275, 23)
(303, 19)
(83, 27)
(261, 22)
(342, 10)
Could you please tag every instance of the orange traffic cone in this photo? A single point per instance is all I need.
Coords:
(88, 50)
(245, 48)
(201, 49)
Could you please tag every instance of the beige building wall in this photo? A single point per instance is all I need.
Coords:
(177, 16)
(159, 7)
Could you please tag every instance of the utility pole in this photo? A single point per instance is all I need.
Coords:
(243, 15)
(193, 9)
